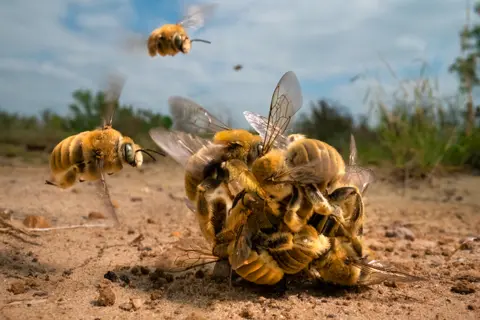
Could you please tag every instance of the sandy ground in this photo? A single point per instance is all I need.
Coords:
(59, 278)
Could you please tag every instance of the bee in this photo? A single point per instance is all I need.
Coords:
(170, 39)
(309, 165)
(255, 247)
(341, 265)
(223, 161)
(202, 158)
(87, 155)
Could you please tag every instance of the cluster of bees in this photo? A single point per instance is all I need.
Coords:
(273, 204)
(270, 204)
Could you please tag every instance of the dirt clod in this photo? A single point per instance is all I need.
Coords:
(95, 215)
(106, 296)
(17, 287)
(110, 275)
(247, 313)
(136, 303)
(32, 221)
(463, 288)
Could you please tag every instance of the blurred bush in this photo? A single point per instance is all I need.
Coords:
(416, 131)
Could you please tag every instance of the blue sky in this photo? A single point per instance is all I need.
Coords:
(50, 48)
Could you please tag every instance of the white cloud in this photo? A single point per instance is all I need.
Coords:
(42, 61)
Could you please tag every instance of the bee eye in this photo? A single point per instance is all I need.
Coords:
(128, 153)
(259, 149)
(177, 40)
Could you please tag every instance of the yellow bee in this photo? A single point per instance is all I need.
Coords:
(170, 39)
(256, 249)
(342, 266)
(87, 155)
(223, 161)
(309, 164)
(202, 158)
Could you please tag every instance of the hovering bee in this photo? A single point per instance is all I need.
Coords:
(223, 161)
(170, 39)
(342, 266)
(87, 155)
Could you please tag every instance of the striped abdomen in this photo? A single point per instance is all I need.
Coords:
(67, 153)
(330, 167)
(260, 269)
(307, 246)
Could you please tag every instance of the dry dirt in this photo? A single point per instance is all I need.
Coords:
(61, 277)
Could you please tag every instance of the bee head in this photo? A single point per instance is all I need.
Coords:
(182, 42)
(132, 153)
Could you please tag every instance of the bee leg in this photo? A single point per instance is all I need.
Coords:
(318, 200)
(291, 217)
(204, 209)
(50, 183)
(106, 191)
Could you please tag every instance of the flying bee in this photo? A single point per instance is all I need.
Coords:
(223, 161)
(170, 39)
(87, 155)
(342, 266)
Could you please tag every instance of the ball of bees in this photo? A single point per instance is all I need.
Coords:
(288, 214)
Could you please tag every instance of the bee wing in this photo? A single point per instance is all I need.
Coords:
(190, 205)
(180, 145)
(186, 254)
(286, 101)
(312, 172)
(242, 248)
(260, 123)
(356, 175)
(115, 86)
(375, 272)
(352, 158)
(191, 117)
(196, 15)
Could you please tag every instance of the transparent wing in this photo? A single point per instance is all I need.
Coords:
(186, 254)
(180, 145)
(242, 248)
(191, 117)
(259, 123)
(375, 272)
(313, 172)
(114, 89)
(356, 175)
(196, 15)
(286, 101)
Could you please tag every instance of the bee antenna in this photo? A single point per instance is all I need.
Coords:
(147, 153)
(200, 40)
(162, 153)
